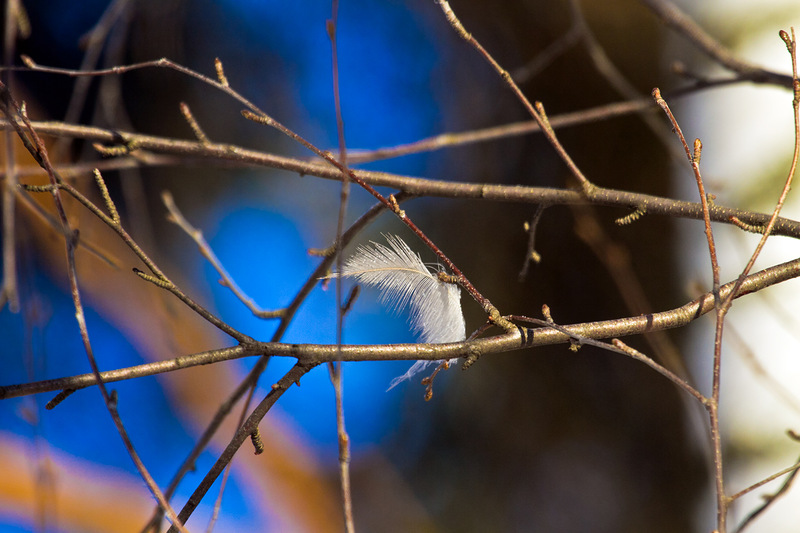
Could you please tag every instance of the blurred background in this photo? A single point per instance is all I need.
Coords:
(540, 440)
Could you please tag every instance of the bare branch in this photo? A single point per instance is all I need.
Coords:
(292, 377)
(654, 205)
(316, 354)
(673, 17)
(196, 235)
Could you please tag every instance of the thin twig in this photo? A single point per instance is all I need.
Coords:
(218, 502)
(536, 112)
(616, 346)
(712, 405)
(791, 45)
(193, 124)
(680, 382)
(39, 152)
(693, 155)
(609, 71)
(514, 129)
(248, 384)
(158, 277)
(617, 262)
(546, 57)
(94, 41)
(673, 17)
(340, 170)
(256, 114)
(531, 255)
(290, 378)
(771, 498)
(156, 63)
(770, 382)
(176, 217)
(335, 368)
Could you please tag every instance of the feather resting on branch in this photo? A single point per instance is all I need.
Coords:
(404, 281)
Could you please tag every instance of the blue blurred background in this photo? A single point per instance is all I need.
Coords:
(516, 444)
(278, 55)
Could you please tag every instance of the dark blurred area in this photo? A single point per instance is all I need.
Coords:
(550, 440)
(538, 440)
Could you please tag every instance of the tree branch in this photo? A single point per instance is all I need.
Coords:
(226, 153)
(315, 354)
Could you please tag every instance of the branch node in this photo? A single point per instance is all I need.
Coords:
(546, 313)
(261, 119)
(539, 106)
(322, 252)
(453, 20)
(58, 398)
(159, 282)
(116, 151)
(472, 358)
(444, 277)
(787, 40)
(223, 80)
(531, 255)
(698, 148)
(112, 209)
(631, 217)
(258, 444)
(752, 228)
(625, 348)
(196, 129)
(396, 207)
(428, 381)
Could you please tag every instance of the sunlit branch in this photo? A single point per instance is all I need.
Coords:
(226, 154)
(322, 353)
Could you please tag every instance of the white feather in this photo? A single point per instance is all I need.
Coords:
(403, 281)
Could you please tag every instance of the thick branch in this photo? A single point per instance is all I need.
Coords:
(652, 205)
(314, 354)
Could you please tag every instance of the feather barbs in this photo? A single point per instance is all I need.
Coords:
(404, 281)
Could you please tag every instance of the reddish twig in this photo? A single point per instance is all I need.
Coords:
(791, 46)
(536, 111)
(712, 405)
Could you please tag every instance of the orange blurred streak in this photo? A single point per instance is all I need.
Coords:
(286, 477)
(80, 495)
